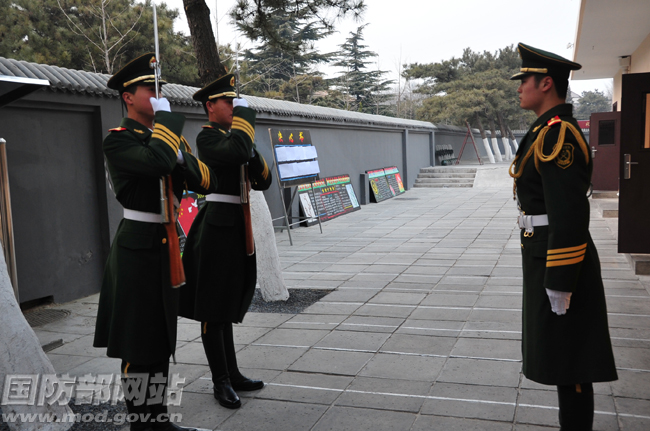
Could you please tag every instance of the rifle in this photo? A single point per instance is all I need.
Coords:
(245, 186)
(176, 271)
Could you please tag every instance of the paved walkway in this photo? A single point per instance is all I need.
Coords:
(422, 331)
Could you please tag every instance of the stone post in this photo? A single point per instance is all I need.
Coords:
(269, 271)
(21, 354)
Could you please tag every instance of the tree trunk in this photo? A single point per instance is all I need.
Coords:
(486, 144)
(205, 47)
(21, 354)
(269, 270)
(495, 142)
(513, 139)
(504, 137)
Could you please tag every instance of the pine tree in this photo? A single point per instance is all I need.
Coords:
(277, 72)
(363, 90)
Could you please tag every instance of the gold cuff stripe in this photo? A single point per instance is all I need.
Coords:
(188, 149)
(533, 70)
(167, 135)
(244, 125)
(165, 139)
(205, 175)
(163, 128)
(568, 249)
(565, 262)
(224, 94)
(567, 255)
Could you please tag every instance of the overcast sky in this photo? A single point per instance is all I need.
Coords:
(429, 31)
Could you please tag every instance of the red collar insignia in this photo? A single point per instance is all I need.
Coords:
(554, 120)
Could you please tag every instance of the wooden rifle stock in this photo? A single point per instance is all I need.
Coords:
(177, 273)
(246, 207)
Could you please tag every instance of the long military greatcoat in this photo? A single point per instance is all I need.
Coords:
(220, 276)
(554, 180)
(138, 308)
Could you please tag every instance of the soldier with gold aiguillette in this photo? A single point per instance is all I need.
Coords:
(565, 337)
(221, 269)
(138, 305)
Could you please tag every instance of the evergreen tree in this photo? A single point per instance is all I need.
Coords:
(93, 35)
(363, 90)
(276, 72)
(470, 88)
(590, 102)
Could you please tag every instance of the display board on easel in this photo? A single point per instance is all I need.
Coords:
(296, 162)
(333, 197)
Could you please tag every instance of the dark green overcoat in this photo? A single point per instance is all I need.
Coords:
(220, 276)
(555, 180)
(138, 308)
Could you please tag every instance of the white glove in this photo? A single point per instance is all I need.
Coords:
(239, 101)
(559, 301)
(180, 159)
(161, 104)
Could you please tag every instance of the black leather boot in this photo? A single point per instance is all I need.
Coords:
(132, 382)
(576, 404)
(239, 382)
(212, 335)
(225, 394)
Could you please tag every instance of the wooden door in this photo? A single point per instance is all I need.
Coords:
(634, 197)
(604, 142)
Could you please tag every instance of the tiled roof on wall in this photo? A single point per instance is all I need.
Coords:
(79, 81)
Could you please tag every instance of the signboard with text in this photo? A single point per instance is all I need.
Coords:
(381, 190)
(394, 180)
(295, 157)
(328, 197)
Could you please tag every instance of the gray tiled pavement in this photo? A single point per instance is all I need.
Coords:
(422, 331)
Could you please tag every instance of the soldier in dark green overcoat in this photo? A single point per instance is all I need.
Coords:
(138, 307)
(565, 338)
(221, 276)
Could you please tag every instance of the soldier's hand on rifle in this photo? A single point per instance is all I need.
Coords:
(161, 104)
(559, 301)
(239, 101)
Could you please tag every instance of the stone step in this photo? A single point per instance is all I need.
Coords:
(597, 194)
(640, 263)
(453, 169)
(442, 185)
(610, 213)
(444, 180)
(445, 175)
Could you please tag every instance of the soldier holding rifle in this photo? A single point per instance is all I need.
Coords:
(138, 304)
(219, 253)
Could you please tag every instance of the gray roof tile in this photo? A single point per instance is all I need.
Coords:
(79, 81)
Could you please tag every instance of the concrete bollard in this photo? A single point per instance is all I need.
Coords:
(269, 271)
